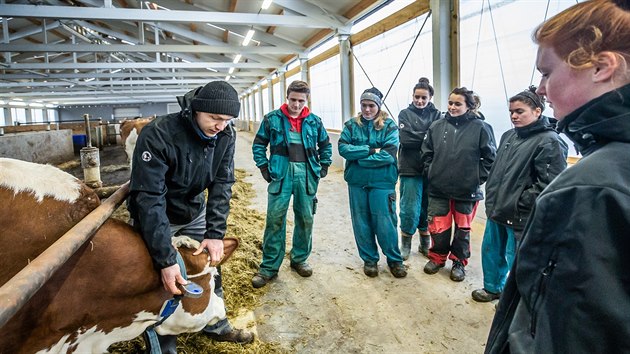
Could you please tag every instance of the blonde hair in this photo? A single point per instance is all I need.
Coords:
(379, 121)
(579, 33)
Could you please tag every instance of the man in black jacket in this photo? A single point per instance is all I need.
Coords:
(177, 157)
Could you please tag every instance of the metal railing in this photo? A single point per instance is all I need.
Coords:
(18, 290)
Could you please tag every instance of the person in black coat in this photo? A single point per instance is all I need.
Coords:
(569, 288)
(529, 157)
(458, 152)
(177, 157)
(413, 123)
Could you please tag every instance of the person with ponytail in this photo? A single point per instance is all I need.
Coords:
(569, 289)
(369, 143)
(529, 157)
(458, 152)
(413, 123)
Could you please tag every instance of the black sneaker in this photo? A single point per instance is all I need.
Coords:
(303, 269)
(370, 269)
(457, 271)
(432, 268)
(483, 295)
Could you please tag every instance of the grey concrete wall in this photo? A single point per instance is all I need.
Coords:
(106, 112)
(53, 146)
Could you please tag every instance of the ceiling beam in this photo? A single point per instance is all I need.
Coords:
(121, 83)
(147, 48)
(97, 75)
(83, 13)
(127, 65)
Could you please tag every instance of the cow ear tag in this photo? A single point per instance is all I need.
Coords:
(191, 289)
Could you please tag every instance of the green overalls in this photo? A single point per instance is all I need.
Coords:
(294, 183)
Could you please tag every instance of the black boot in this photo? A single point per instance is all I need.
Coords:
(425, 244)
(405, 245)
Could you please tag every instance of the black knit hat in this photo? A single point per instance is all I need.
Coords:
(217, 97)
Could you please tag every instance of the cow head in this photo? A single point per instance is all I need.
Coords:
(195, 313)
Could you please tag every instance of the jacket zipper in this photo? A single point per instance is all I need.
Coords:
(188, 166)
(544, 279)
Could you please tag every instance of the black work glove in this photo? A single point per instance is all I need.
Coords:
(324, 171)
(265, 173)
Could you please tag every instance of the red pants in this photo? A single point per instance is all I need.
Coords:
(442, 214)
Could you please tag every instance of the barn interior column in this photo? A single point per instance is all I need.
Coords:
(304, 68)
(345, 63)
(270, 93)
(445, 49)
(260, 105)
(283, 84)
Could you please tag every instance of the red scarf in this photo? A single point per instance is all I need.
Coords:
(296, 123)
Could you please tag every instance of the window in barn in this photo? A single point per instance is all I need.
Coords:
(2, 121)
(294, 77)
(37, 115)
(326, 92)
(52, 115)
(394, 44)
(257, 117)
(483, 38)
(265, 102)
(278, 98)
(18, 115)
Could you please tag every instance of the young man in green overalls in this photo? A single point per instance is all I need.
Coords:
(300, 154)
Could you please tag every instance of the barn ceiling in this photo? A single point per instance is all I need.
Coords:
(79, 52)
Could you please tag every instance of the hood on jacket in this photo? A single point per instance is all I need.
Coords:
(599, 121)
(538, 126)
(419, 111)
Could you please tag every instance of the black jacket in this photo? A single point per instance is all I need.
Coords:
(458, 153)
(413, 124)
(172, 166)
(528, 159)
(569, 288)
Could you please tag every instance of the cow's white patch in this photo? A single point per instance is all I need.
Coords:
(130, 144)
(40, 180)
(185, 241)
(181, 321)
(96, 341)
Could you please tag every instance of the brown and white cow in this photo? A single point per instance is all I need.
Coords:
(129, 130)
(107, 292)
